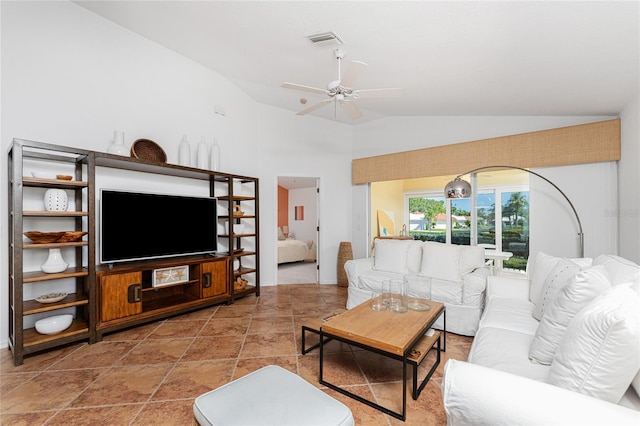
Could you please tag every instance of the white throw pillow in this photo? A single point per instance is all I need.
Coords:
(280, 234)
(599, 354)
(581, 289)
(541, 266)
(472, 257)
(564, 270)
(391, 256)
(620, 270)
(441, 261)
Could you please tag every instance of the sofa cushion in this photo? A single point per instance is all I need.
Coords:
(509, 314)
(620, 270)
(474, 286)
(373, 280)
(418, 286)
(446, 291)
(581, 289)
(506, 350)
(391, 256)
(414, 256)
(564, 270)
(599, 355)
(472, 257)
(441, 261)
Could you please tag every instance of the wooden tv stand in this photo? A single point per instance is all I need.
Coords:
(127, 296)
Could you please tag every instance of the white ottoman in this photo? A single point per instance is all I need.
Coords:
(270, 396)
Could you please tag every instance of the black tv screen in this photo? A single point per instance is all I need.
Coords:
(135, 225)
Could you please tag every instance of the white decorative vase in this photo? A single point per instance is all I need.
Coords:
(55, 200)
(236, 264)
(203, 155)
(55, 263)
(117, 147)
(215, 156)
(184, 153)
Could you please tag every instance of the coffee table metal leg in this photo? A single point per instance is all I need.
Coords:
(417, 390)
(402, 415)
(444, 330)
(305, 350)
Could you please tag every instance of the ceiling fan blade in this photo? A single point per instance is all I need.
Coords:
(352, 110)
(315, 107)
(353, 72)
(377, 93)
(305, 88)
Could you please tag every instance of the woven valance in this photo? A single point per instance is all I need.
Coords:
(580, 144)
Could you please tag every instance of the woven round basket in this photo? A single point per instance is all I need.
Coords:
(146, 149)
(345, 253)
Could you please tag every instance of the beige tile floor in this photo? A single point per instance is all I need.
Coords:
(151, 374)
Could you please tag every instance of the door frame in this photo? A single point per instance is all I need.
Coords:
(318, 220)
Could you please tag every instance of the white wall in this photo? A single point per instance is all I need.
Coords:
(628, 211)
(71, 77)
(303, 229)
(583, 184)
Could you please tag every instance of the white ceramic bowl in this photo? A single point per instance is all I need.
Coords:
(54, 324)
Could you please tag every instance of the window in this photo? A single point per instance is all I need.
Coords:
(427, 216)
(503, 226)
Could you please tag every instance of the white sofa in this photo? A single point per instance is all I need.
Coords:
(578, 364)
(453, 274)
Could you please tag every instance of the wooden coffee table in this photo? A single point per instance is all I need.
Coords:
(399, 336)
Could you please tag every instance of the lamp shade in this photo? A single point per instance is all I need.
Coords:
(457, 188)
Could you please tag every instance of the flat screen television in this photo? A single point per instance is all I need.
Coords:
(137, 225)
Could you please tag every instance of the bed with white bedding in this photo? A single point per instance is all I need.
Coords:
(290, 250)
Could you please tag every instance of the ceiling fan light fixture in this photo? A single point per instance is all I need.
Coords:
(328, 38)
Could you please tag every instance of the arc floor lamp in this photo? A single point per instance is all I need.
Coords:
(460, 188)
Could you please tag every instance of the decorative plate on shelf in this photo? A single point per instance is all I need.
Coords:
(71, 236)
(43, 237)
(51, 297)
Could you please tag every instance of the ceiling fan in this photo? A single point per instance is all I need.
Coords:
(341, 91)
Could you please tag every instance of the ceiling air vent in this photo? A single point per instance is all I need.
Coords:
(325, 39)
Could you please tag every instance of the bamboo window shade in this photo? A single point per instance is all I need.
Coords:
(580, 144)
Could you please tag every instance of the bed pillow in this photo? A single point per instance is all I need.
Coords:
(599, 355)
(581, 289)
(391, 256)
(564, 270)
(280, 234)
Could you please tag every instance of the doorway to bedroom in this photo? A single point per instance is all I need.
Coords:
(298, 230)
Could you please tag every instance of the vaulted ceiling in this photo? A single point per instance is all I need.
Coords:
(450, 57)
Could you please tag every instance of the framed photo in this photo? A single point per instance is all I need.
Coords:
(170, 276)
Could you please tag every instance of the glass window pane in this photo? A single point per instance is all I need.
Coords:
(515, 228)
(486, 214)
(461, 221)
(427, 218)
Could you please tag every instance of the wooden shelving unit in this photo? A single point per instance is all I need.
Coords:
(23, 338)
(241, 194)
(108, 298)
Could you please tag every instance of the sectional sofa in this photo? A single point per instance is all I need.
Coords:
(560, 346)
(452, 274)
